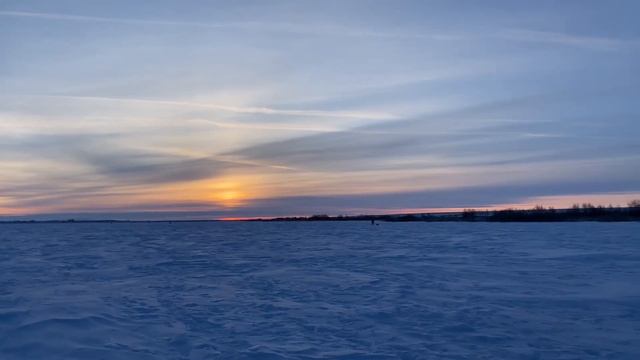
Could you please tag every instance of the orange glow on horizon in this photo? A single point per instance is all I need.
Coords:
(243, 218)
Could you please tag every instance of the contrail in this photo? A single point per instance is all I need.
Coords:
(237, 109)
(54, 16)
(306, 29)
(509, 34)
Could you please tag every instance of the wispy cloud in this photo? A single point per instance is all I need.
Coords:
(482, 135)
(564, 39)
(234, 109)
(85, 18)
(305, 29)
(514, 34)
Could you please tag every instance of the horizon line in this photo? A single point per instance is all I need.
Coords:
(452, 211)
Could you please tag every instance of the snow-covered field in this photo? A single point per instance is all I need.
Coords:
(320, 291)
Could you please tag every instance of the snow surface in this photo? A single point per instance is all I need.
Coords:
(320, 291)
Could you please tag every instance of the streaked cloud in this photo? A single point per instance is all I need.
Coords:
(520, 35)
(549, 37)
(235, 109)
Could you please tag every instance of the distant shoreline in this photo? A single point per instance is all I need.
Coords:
(585, 212)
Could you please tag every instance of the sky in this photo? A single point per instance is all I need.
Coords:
(231, 109)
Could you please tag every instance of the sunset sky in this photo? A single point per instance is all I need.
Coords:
(205, 109)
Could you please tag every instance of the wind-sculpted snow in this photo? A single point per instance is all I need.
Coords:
(320, 290)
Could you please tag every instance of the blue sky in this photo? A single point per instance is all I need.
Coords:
(256, 108)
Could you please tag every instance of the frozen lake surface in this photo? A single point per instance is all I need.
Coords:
(320, 291)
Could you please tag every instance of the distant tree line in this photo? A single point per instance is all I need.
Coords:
(578, 212)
